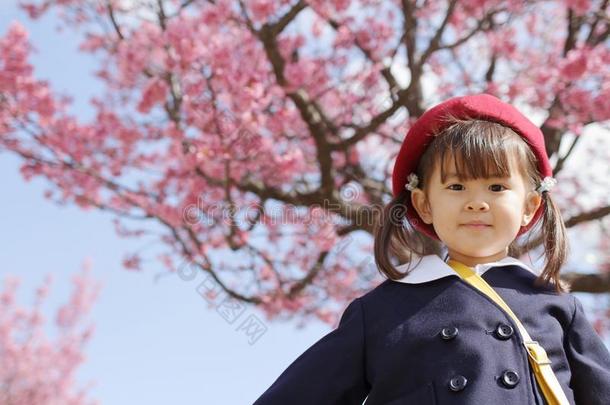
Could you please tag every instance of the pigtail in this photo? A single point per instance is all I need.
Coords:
(395, 238)
(555, 243)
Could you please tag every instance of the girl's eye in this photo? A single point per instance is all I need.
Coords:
(496, 187)
(454, 185)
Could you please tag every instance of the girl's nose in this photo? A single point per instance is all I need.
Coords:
(477, 206)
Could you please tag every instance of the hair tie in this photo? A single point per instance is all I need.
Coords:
(546, 185)
(412, 182)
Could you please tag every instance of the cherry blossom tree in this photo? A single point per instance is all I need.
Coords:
(255, 139)
(38, 369)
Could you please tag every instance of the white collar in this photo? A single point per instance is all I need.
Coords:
(433, 267)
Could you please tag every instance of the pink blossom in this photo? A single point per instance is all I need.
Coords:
(38, 369)
(132, 262)
(262, 9)
(154, 93)
(579, 6)
(575, 64)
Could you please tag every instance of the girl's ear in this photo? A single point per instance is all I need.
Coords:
(421, 205)
(532, 202)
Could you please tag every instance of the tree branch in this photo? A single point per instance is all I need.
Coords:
(595, 214)
(115, 25)
(589, 283)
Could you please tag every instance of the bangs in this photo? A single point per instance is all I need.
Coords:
(478, 149)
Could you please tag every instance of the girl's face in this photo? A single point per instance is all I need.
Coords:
(500, 205)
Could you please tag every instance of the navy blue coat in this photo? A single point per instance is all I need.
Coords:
(431, 338)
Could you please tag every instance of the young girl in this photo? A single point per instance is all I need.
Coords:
(471, 177)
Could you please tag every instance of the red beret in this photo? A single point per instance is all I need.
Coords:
(482, 106)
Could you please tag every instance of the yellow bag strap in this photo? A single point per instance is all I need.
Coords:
(541, 365)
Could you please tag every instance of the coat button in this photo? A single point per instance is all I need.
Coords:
(504, 331)
(457, 383)
(510, 378)
(449, 333)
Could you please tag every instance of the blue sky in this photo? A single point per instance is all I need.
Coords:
(156, 342)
